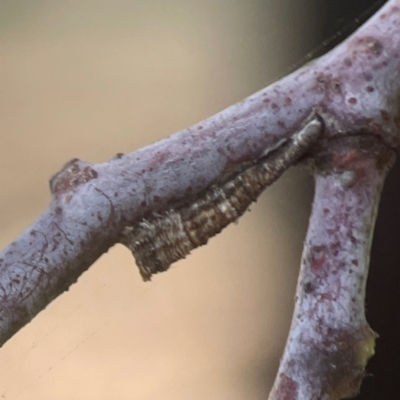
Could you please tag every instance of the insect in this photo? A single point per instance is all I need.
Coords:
(164, 238)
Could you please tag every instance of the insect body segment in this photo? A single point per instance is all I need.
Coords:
(164, 238)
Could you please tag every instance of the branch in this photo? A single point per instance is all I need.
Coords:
(330, 341)
(350, 92)
(163, 238)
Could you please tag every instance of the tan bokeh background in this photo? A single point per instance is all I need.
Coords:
(89, 79)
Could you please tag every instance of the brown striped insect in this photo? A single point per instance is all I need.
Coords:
(164, 238)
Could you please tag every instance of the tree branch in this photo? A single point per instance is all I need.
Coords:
(163, 238)
(352, 91)
(330, 341)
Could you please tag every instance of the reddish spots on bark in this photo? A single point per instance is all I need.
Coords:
(326, 211)
(360, 172)
(336, 87)
(372, 45)
(335, 248)
(353, 240)
(369, 89)
(346, 159)
(348, 62)
(266, 101)
(158, 159)
(368, 77)
(322, 81)
(352, 160)
(327, 83)
(230, 149)
(200, 127)
(352, 100)
(288, 101)
(327, 296)
(58, 210)
(221, 150)
(287, 389)
(319, 249)
(317, 262)
(274, 106)
(308, 287)
(385, 115)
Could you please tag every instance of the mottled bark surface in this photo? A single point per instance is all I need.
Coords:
(330, 341)
(354, 89)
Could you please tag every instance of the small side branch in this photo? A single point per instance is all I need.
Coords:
(330, 341)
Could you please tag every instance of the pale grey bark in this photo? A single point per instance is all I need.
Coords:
(354, 89)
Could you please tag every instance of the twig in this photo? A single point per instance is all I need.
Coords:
(354, 90)
(330, 341)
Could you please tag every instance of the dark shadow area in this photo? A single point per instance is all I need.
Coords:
(342, 18)
(383, 306)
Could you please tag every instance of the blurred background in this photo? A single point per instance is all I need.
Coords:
(91, 78)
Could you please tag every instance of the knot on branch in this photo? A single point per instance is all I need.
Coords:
(72, 175)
